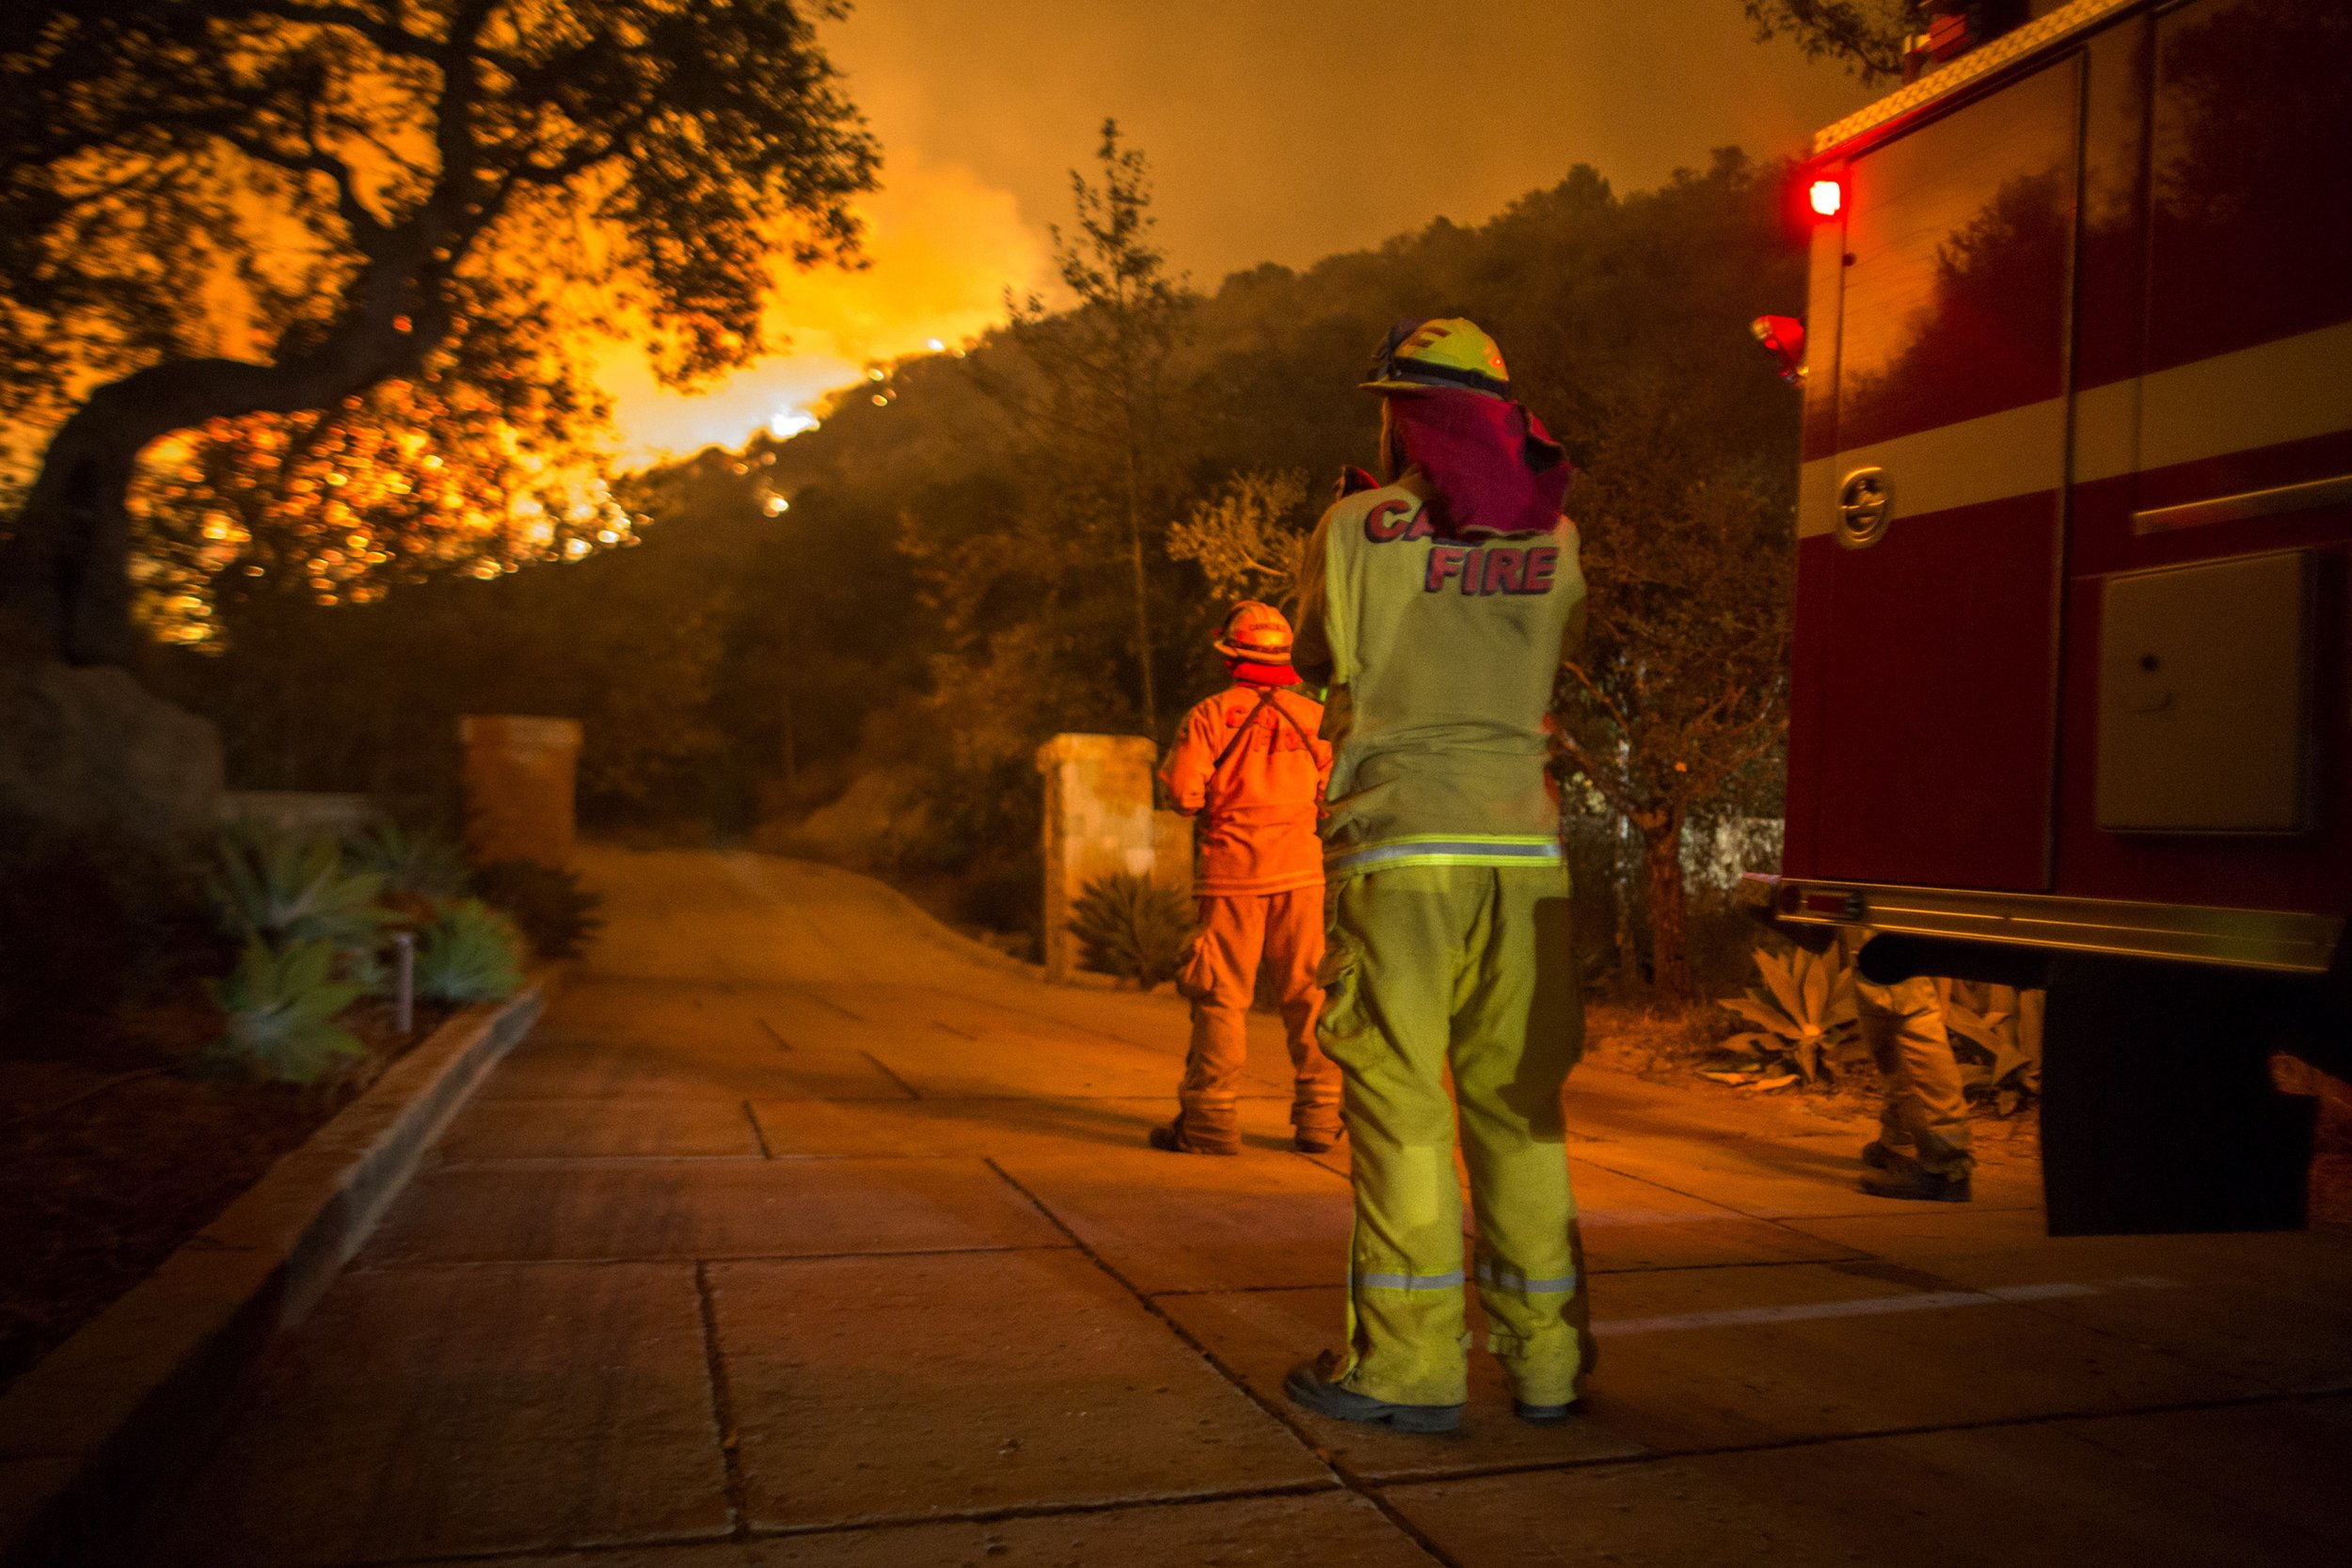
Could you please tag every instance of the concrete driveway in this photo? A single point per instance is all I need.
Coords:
(800, 1234)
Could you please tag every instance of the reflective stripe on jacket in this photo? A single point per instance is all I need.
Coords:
(1441, 655)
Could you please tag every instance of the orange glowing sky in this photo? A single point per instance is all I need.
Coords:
(1281, 131)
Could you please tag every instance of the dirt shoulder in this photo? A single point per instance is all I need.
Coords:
(113, 1156)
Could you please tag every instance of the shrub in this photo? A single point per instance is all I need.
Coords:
(94, 921)
(1805, 1017)
(417, 869)
(278, 1004)
(1133, 927)
(554, 910)
(469, 953)
(284, 889)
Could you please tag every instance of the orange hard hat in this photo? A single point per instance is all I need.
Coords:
(1256, 632)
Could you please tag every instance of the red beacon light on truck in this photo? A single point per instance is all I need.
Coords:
(1826, 196)
(1782, 338)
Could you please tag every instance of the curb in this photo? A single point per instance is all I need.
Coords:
(974, 948)
(970, 947)
(127, 1406)
(930, 924)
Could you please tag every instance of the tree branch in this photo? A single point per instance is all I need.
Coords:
(384, 34)
(1616, 714)
(366, 229)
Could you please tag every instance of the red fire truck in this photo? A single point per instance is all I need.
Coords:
(2072, 690)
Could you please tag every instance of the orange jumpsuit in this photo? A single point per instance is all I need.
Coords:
(1260, 890)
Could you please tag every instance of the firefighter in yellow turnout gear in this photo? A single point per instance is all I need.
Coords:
(1438, 609)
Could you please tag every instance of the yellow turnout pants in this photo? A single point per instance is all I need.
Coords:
(1467, 967)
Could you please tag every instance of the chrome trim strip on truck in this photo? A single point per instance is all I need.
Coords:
(2272, 939)
(2249, 503)
(1974, 66)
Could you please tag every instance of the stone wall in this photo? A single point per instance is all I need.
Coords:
(520, 774)
(88, 751)
(1098, 820)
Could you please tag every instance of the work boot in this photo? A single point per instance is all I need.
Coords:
(1175, 1139)
(1913, 1180)
(1309, 1385)
(1543, 1415)
(1317, 1140)
(1878, 1157)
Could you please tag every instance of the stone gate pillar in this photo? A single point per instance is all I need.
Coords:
(519, 777)
(1098, 820)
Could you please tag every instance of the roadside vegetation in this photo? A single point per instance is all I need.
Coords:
(849, 644)
(173, 1037)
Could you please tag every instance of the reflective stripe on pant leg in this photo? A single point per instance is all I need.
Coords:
(1517, 1030)
(1232, 932)
(1390, 978)
(1294, 951)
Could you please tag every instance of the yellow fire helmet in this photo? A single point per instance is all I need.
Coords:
(1257, 633)
(1421, 357)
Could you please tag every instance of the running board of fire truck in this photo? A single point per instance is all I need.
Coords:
(2269, 939)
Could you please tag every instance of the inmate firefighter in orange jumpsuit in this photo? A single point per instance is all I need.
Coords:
(1248, 761)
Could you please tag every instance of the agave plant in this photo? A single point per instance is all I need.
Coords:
(1133, 927)
(1804, 1012)
(283, 889)
(468, 953)
(554, 910)
(280, 1003)
(417, 869)
(2000, 1058)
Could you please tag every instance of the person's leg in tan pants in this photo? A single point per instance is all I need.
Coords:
(1294, 949)
(1925, 1120)
(1222, 980)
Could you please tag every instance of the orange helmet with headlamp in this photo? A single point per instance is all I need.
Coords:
(1255, 633)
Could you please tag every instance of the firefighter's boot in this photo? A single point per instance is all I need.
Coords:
(1186, 1135)
(1311, 1385)
(1908, 1178)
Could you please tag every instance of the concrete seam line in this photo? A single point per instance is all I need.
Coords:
(1051, 1510)
(1596, 1273)
(717, 1260)
(824, 1001)
(722, 1407)
(878, 1524)
(138, 1441)
(759, 1133)
(1353, 1483)
(883, 1068)
(1991, 1423)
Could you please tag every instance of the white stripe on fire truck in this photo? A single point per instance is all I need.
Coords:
(2285, 390)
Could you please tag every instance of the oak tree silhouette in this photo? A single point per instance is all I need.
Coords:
(217, 208)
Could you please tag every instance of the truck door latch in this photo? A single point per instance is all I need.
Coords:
(1866, 505)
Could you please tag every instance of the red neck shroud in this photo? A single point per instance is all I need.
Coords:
(1262, 674)
(1494, 469)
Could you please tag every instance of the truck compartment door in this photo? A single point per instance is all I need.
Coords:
(1934, 528)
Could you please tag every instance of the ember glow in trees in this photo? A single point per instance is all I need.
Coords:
(238, 207)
